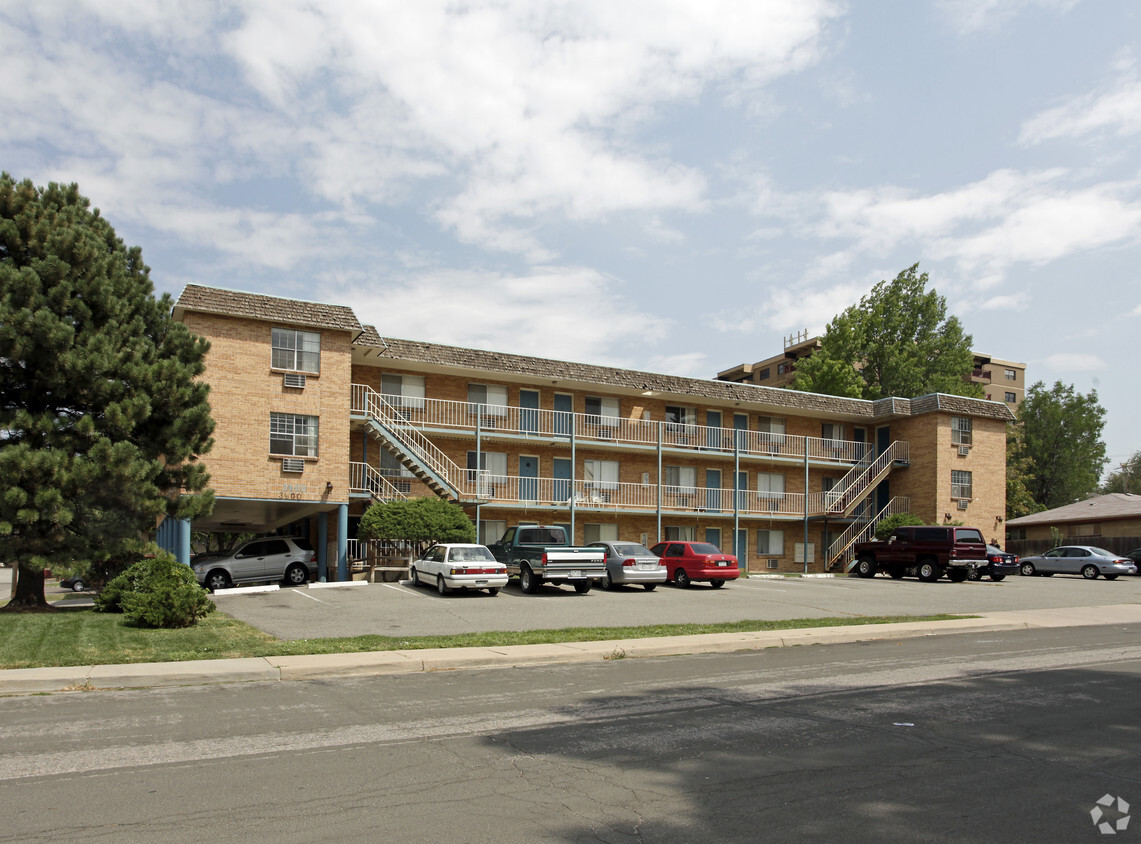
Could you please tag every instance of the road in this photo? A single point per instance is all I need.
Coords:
(398, 609)
(969, 737)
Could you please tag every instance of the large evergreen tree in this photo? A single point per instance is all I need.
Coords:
(1061, 443)
(101, 415)
(898, 341)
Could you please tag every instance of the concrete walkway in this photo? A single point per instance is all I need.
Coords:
(146, 675)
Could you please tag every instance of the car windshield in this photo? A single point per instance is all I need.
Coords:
(475, 554)
(632, 549)
(705, 548)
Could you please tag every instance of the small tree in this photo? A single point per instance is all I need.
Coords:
(157, 591)
(101, 413)
(421, 521)
(898, 341)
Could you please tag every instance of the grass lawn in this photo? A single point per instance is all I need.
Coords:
(80, 636)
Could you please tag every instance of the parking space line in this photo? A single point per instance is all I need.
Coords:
(307, 595)
(405, 590)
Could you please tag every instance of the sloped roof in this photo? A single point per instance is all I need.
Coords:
(214, 300)
(1115, 505)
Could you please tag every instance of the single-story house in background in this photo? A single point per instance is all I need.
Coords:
(1109, 521)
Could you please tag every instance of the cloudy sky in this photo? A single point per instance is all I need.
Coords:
(673, 186)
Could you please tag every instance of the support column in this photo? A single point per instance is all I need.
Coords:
(805, 555)
(183, 554)
(342, 542)
(322, 546)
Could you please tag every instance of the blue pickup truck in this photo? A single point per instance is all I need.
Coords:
(541, 553)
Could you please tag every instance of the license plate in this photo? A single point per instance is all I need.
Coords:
(481, 583)
(645, 566)
(722, 562)
(576, 574)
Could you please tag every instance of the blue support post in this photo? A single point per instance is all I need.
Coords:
(183, 554)
(322, 545)
(342, 542)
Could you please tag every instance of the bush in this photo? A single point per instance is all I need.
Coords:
(156, 592)
(884, 528)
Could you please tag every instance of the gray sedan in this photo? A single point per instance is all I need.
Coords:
(631, 563)
(1086, 560)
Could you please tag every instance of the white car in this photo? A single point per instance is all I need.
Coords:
(452, 565)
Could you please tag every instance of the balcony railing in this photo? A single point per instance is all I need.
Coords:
(441, 414)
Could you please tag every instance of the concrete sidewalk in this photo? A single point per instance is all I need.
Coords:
(147, 675)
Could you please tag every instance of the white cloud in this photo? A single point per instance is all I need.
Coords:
(1009, 302)
(972, 15)
(1074, 362)
(1115, 111)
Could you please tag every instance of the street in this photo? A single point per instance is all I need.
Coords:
(971, 737)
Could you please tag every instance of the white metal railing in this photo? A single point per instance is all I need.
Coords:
(861, 531)
(443, 414)
(365, 478)
(856, 484)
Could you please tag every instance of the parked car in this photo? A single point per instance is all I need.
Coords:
(631, 563)
(686, 562)
(290, 559)
(998, 565)
(454, 565)
(1086, 560)
(1135, 556)
(75, 583)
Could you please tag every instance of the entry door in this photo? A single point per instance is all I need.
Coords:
(529, 415)
(713, 428)
(742, 488)
(564, 414)
(741, 549)
(562, 469)
(713, 489)
(740, 423)
(528, 478)
(860, 435)
(883, 439)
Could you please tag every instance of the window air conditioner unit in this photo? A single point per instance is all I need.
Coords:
(964, 450)
(963, 502)
(293, 464)
(773, 564)
(295, 380)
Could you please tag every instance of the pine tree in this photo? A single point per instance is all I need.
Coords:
(101, 415)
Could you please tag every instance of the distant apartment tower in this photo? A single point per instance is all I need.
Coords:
(1001, 380)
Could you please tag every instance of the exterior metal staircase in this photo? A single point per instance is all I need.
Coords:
(365, 479)
(861, 531)
(855, 486)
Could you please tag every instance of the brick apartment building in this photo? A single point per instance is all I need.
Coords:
(318, 416)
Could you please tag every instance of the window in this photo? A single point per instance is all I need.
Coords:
(785, 368)
(599, 533)
(770, 485)
(487, 469)
(1010, 374)
(600, 474)
(681, 476)
(292, 435)
(832, 431)
(492, 398)
(299, 351)
(403, 390)
(1015, 533)
(765, 373)
(960, 430)
(770, 543)
(677, 416)
(770, 424)
(1010, 398)
(960, 484)
(680, 533)
(601, 407)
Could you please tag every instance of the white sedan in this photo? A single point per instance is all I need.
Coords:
(459, 566)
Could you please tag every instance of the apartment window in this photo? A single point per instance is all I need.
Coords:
(1010, 374)
(493, 463)
(599, 533)
(681, 415)
(770, 485)
(680, 533)
(298, 351)
(785, 368)
(492, 397)
(292, 435)
(601, 406)
(1010, 398)
(403, 390)
(961, 430)
(832, 431)
(491, 531)
(1013, 534)
(770, 543)
(681, 476)
(960, 484)
(765, 373)
(770, 424)
(600, 474)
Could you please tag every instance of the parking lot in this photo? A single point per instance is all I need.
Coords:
(399, 609)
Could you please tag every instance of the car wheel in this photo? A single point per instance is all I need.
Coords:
(493, 591)
(957, 575)
(606, 582)
(866, 566)
(77, 586)
(414, 577)
(929, 572)
(529, 582)
(1110, 576)
(582, 586)
(296, 574)
(998, 578)
(216, 580)
(649, 587)
(681, 578)
(441, 585)
(1027, 570)
(973, 573)
(717, 584)
(1090, 572)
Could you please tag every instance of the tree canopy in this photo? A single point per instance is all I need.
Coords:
(898, 341)
(101, 415)
(422, 521)
(1061, 443)
(1126, 477)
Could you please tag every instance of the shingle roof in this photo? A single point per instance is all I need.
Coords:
(1115, 505)
(214, 300)
(500, 362)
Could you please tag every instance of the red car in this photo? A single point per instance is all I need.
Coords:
(686, 562)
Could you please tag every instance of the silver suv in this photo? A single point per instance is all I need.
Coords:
(286, 558)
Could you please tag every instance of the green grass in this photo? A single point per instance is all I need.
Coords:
(80, 636)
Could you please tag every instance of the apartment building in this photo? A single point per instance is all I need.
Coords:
(318, 416)
(1001, 380)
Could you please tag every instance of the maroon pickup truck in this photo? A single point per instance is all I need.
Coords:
(925, 551)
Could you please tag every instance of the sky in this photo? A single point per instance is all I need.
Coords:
(673, 186)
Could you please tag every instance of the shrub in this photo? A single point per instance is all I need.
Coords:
(156, 592)
(884, 528)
